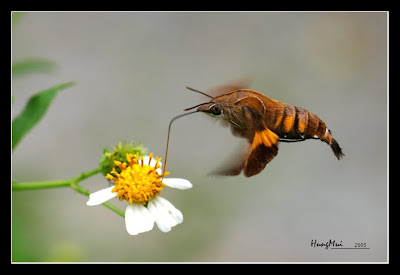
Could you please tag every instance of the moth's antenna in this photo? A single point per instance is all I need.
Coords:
(169, 131)
(197, 91)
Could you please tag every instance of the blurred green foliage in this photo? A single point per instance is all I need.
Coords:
(16, 17)
(30, 66)
(31, 114)
(34, 110)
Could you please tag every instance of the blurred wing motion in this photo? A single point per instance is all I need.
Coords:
(242, 83)
(262, 144)
(254, 156)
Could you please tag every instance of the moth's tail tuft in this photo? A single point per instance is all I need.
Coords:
(336, 149)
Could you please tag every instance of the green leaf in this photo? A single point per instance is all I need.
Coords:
(32, 66)
(34, 110)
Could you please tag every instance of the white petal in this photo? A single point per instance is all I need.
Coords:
(162, 221)
(173, 211)
(146, 161)
(165, 214)
(177, 183)
(101, 196)
(138, 219)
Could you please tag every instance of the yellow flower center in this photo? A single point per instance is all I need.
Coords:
(137, 182)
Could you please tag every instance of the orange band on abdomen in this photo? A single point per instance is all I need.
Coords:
(290, 113)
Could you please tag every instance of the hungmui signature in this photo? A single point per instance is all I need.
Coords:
(326, 245)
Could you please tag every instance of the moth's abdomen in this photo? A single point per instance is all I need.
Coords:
(297, 123)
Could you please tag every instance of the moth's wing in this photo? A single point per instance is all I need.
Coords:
(264, 148)
(234, 164)
(247, 117)
(262, 144)
(235, 126)
(252, 157)
(241, 83)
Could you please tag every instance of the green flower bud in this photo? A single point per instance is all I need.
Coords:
(119, 154)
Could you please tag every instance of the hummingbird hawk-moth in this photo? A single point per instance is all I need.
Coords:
(263, 122)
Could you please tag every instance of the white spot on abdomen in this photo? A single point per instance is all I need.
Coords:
(327, 131)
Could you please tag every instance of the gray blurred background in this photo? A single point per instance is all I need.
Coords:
(131, 70)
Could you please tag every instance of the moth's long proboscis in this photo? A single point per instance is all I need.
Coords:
(169, 132)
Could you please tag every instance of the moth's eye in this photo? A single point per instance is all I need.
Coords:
(216, 110)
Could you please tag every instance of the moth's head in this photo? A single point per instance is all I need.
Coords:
(212, 108)
(216, 107)
(221, 107)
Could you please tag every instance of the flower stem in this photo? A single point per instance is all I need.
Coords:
(17, 186)
(114, 208)
(73, 183)
(86, 175)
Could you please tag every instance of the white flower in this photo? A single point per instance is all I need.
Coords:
(146, 206)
